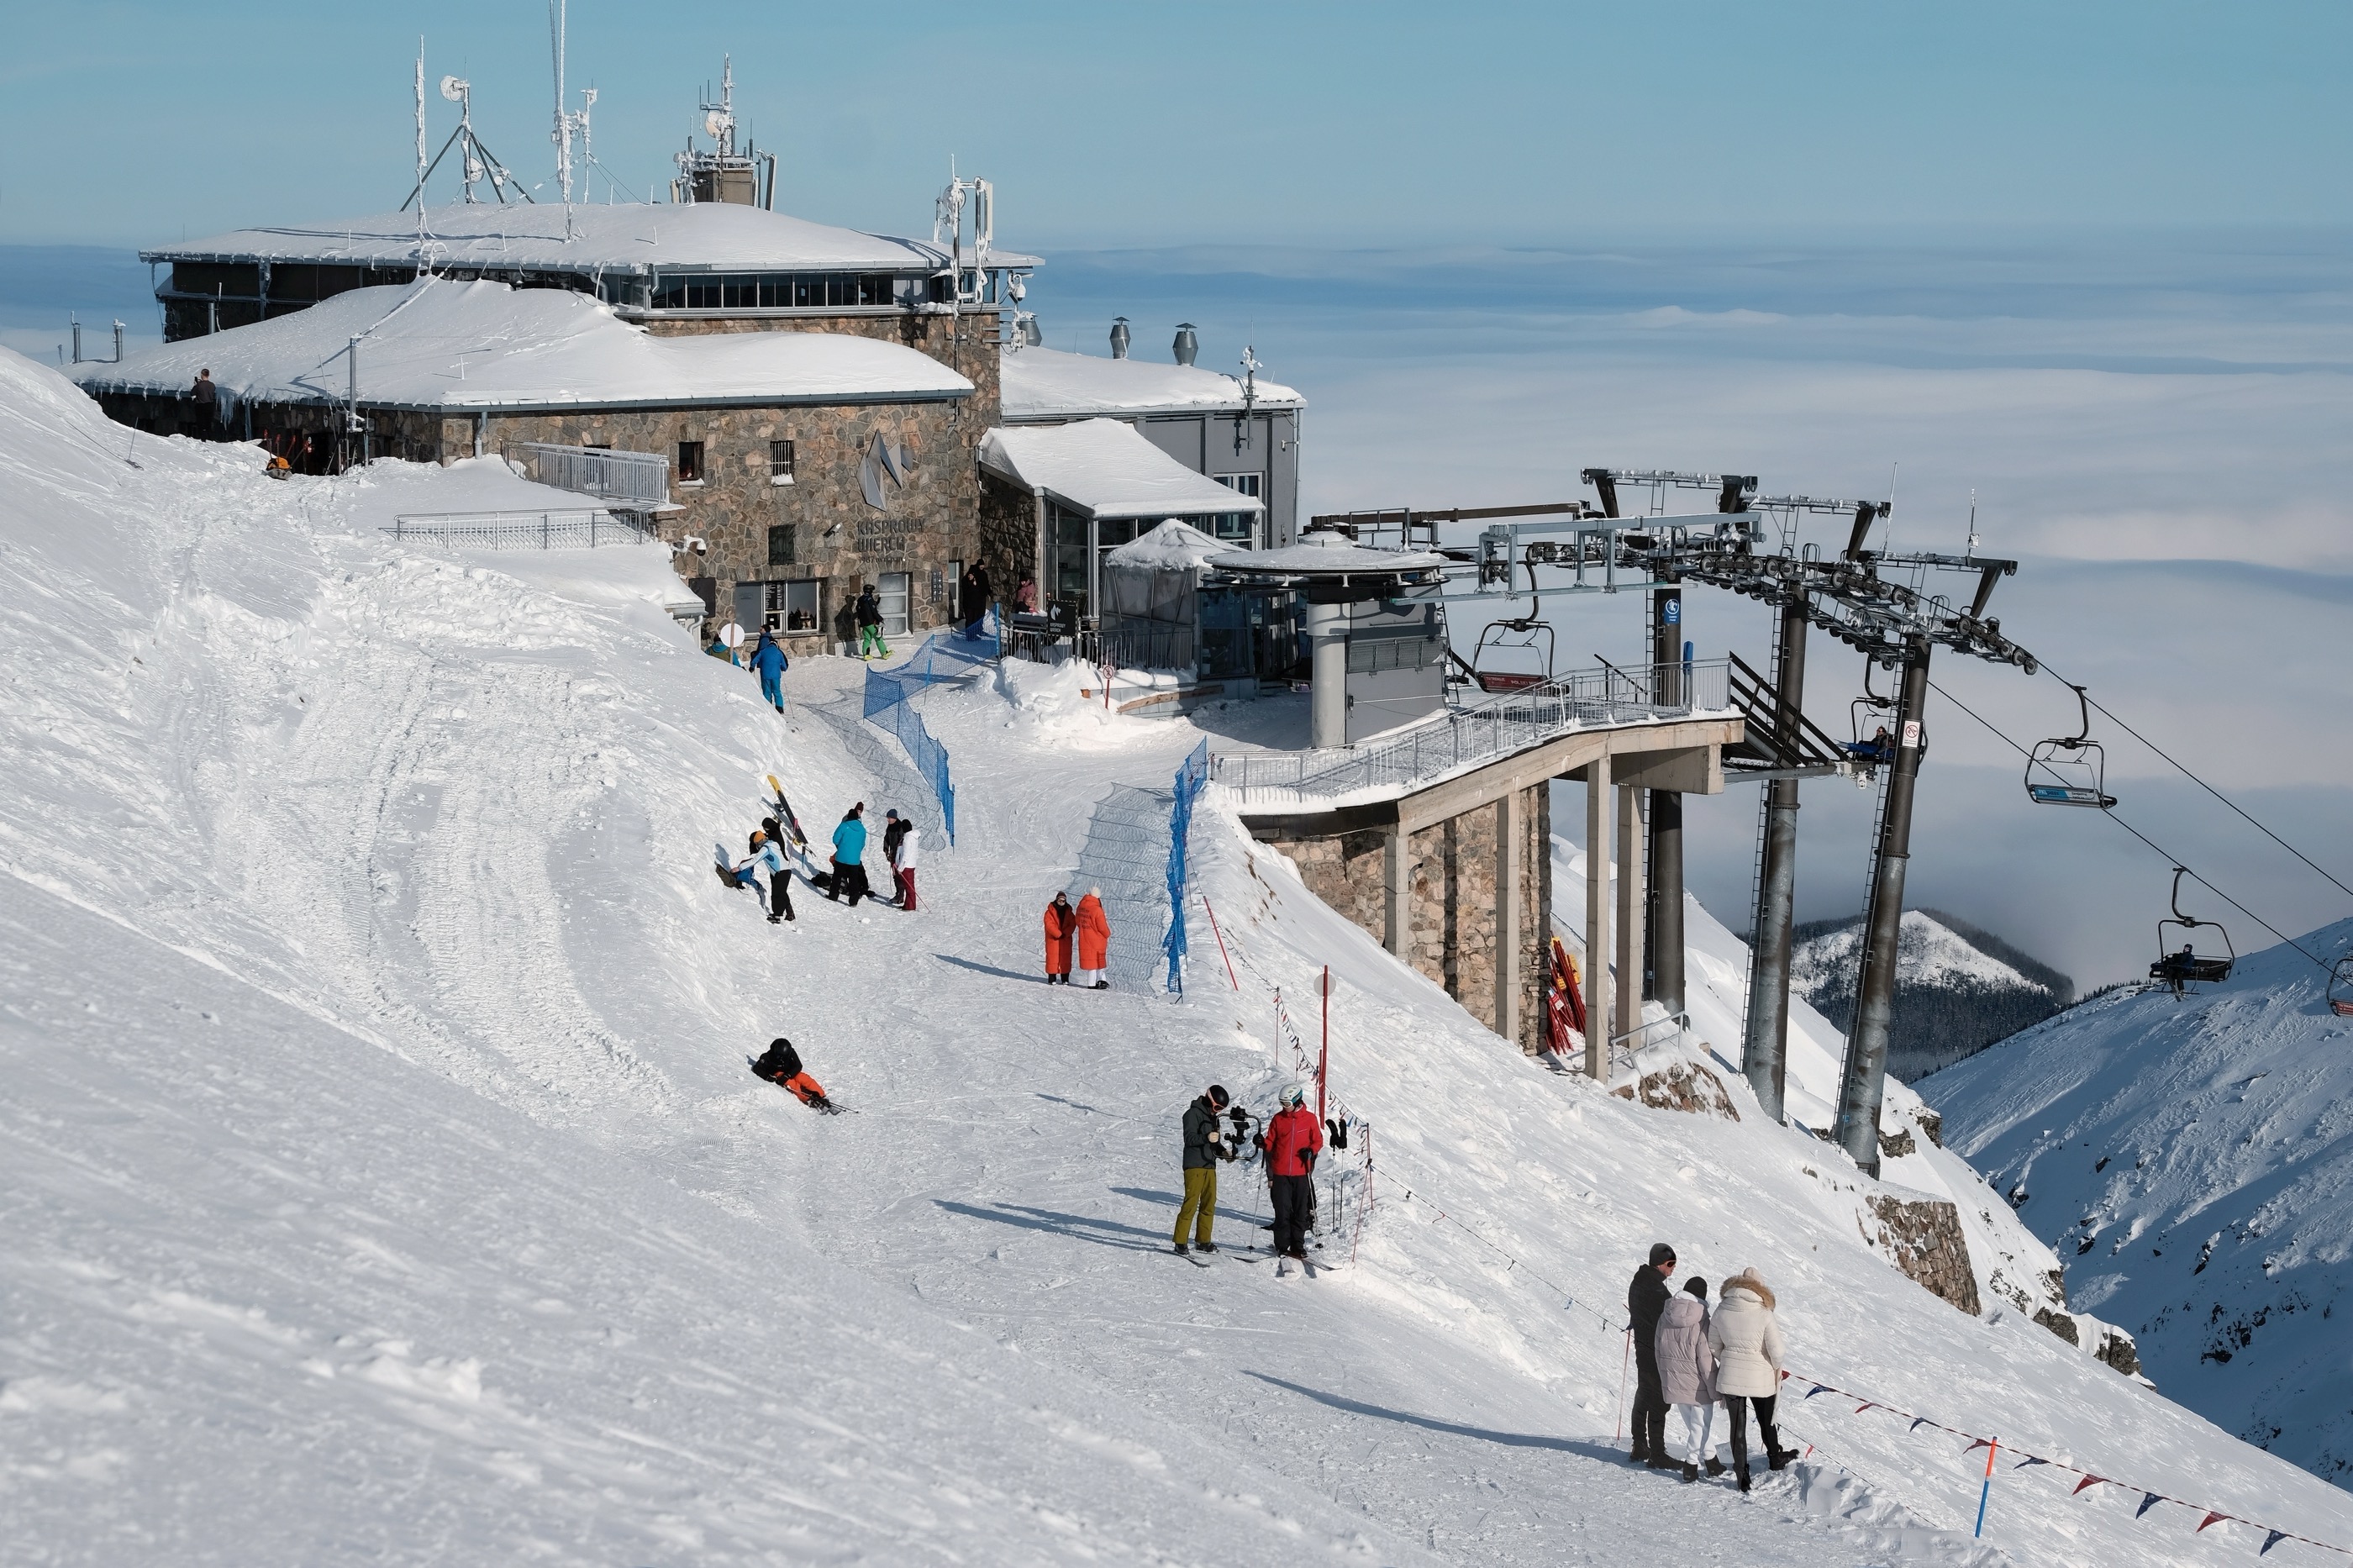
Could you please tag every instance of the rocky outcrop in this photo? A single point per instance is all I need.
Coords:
(1681, 1086)
(1922, 1238)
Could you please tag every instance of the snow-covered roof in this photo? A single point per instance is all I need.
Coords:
(1047, 383)
(704, 237)
(1105, 467)
(1175, 544)
(1324, 551)
(433, 345)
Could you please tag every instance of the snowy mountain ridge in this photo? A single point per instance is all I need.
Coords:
(1929, 952)
(383, 1181)
(2192, 1160)
(1957, 988)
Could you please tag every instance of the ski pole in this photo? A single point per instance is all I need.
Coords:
(1623, 1363)
(1986, 1490)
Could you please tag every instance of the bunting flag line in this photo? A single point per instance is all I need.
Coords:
(2085, 1481)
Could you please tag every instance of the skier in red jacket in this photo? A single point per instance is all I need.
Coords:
(1292, 1141)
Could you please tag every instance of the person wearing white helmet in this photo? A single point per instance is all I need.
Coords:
(1292, 1141)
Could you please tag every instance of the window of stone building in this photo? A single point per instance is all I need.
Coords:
(795, 605)
(690, 462)
(780, 462)
(781, 538)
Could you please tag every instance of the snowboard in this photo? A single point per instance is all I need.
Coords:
(725, 863)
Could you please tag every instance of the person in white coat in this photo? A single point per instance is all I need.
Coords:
(901, 842)
(1687, 1375)
(1747, 1340)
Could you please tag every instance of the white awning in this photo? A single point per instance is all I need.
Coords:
(1102, 468)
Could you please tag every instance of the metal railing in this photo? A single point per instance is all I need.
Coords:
(1470, 737)
(584, 529)
(1625, 1048)
(637, 480)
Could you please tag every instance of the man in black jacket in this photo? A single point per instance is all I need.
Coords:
(1646, 1297)
(1205, 1145)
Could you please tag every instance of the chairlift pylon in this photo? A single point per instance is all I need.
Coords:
(1528, 635)
(2187, 967)
(2072, 769)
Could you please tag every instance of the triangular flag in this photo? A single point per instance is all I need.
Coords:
(2212, 1516)
(1818, 1388)
(2147, 1500)
(2030, 1460)
(2272, 1538)
(1975, 1445)
(2087, 1481)
(1866, 1405)
(1917, 1421)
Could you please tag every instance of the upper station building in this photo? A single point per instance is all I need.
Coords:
(835, 438)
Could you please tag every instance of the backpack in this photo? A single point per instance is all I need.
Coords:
(779, 1062)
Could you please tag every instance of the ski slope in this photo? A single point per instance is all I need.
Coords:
(384, 1181)
(2192, 1159)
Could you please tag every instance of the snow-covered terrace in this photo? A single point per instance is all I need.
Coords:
(473, 347)
(1043, 384)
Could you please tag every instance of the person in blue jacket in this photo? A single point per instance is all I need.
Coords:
(769, 660)
(850, 857)
(768, 856)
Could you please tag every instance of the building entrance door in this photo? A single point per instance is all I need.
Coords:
(897, 588)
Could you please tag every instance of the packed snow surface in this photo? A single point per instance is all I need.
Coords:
(1104, 466)
(1047, 383)
(382, 1180)
(635, 237)
(2192, 1159)
(435, 344)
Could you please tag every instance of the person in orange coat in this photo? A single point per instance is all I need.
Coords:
(1061, 922)
(1094, 942)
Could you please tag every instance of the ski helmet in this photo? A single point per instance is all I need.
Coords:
(1295, 1094)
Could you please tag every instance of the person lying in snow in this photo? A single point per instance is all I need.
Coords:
(780, 1064)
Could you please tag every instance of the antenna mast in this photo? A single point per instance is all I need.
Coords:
(421, 258)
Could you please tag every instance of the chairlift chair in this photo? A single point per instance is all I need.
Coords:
(2188, 966)
(1520, 641)
(1880, 749)
(2069, 769)
(2340, 987)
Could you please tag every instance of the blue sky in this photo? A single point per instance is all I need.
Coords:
(1288, 124)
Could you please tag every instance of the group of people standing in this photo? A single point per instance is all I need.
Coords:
(1090, 927)
(1292, 1139)
(901, 843)
(1694, 1360)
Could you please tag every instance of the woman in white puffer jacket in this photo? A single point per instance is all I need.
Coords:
(1747, 1340)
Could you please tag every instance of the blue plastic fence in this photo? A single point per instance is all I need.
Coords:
(1190, 778)
(944, 657)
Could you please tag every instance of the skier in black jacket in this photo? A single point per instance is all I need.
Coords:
(1205, 1145)
(1646, 1297)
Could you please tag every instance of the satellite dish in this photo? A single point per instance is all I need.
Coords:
(715, 122)
(453, 87)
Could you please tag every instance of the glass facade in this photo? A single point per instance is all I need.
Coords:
(774, 290)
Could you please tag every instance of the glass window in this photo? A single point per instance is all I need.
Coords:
(798, 605)
(894, 592)
(780, 462)
(690, 462)
(780, 544)
(1066, 556)
(1238, 528)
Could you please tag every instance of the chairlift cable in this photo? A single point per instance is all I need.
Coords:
(2170, 856)
(2209, 789)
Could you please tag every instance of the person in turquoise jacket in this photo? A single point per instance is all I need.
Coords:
(850, 857)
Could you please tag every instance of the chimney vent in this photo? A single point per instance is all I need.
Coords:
(1187, 345)
(1119, 337)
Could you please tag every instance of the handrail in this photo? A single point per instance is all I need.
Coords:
(1472, 736)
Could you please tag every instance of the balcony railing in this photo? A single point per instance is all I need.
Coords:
(634, 481)
(585, 528)
(1470, 737)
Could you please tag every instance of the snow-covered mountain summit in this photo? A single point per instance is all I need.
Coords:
(2192, 1160)
(382, 1182)
(1957, 988)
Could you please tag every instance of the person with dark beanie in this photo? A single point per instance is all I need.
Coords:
(1646, 1297)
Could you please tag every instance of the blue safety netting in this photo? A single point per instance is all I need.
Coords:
(944, 657)
(1190, 778)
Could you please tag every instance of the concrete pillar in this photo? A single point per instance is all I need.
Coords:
(1510, 826)
(1397, 893)
(1328, 649)
(1597, 837)
(1666, 928)
(1627, 995)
